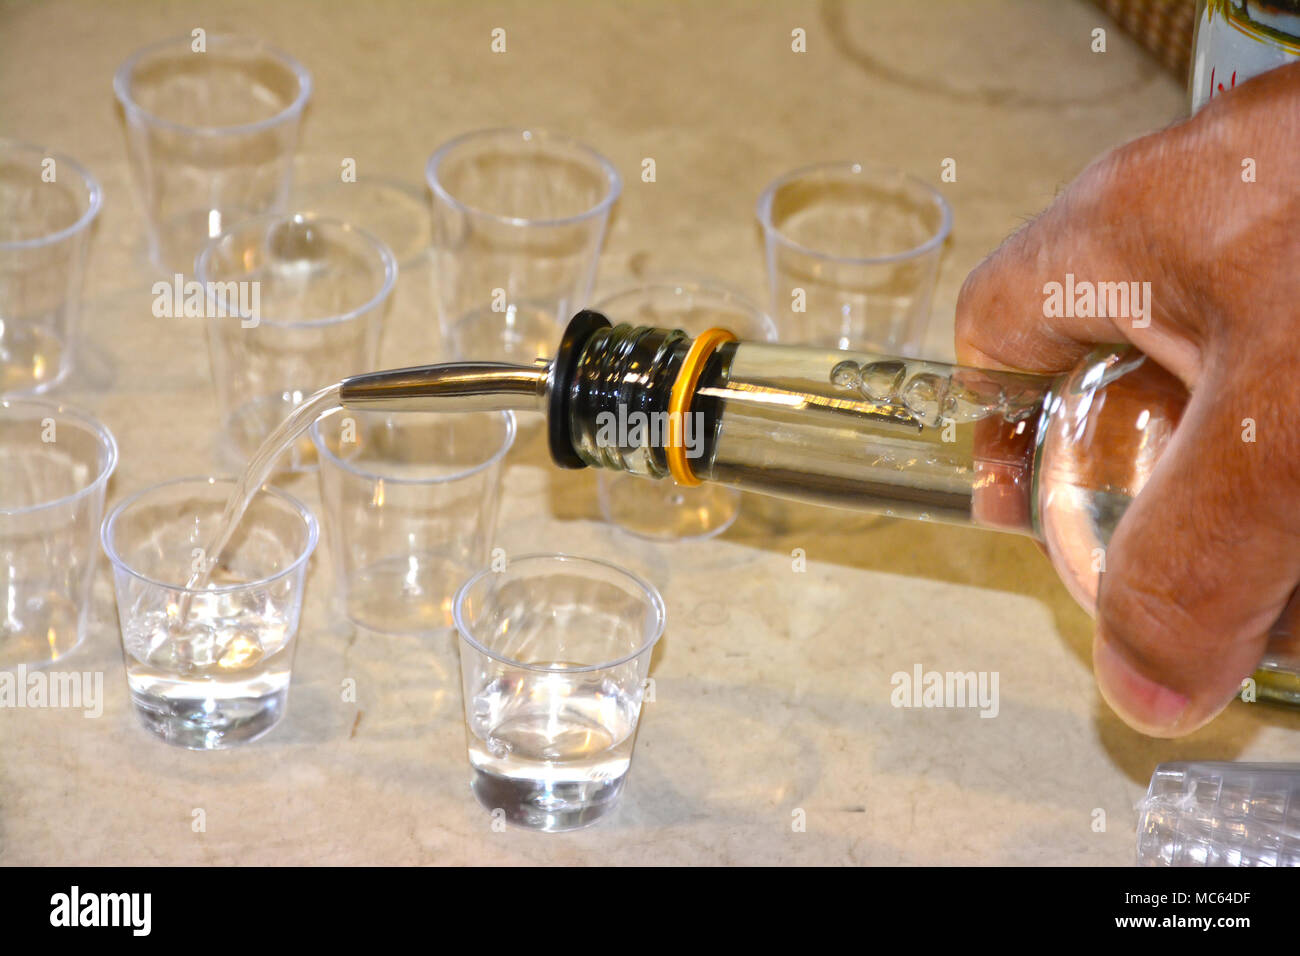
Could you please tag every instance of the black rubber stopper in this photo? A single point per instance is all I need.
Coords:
(563, 369)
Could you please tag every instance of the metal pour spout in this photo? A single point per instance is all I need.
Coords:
(451, 387)
(545, 386)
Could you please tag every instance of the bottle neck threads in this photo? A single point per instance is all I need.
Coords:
(617, 404)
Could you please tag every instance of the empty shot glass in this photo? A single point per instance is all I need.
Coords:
(410, 504)
(208, 668)
(662, 509)
(295, 303)
(554, 654)
(852, 253)
(47, 205)
(56, 465)
(519, 216)
(211, 128)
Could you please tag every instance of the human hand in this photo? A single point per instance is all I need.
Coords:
(1204, 565)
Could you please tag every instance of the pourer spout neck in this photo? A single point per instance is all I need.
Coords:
(450, 387)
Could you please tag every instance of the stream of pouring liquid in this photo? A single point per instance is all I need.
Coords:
(258, 470)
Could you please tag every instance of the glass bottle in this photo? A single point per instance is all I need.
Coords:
(1238, 39)
(1056, 458)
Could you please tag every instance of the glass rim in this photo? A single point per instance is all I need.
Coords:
(613, 181)
(94, 196)
(327, 454)
(653, 597)
(108, 526)
(763, 209)
(122, 86)
(270, 219)
(695, 283)
(101, 432)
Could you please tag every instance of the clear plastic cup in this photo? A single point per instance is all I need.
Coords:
(322, 289)
(519, 216)
(219, 678)
(211, 134)
(1208, 813)
(554, 654)
(662, 509)
(47, 205)
(410, 503)
(852, 254)
(56, 465)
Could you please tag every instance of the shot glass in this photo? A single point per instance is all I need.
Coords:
(56, 465)
(295, 303)
(208, 668)
(47, 204)
(518, 220)
(852, 253)
(554, 654)
(410, 503)
(662, 509)
(211, 127)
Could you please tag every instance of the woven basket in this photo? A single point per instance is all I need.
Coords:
(1165, 27)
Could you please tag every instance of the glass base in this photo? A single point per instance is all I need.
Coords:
(206, 724)
(33, 360)
(549, 806)
(50, 630)
(406, 594)
(665, 511)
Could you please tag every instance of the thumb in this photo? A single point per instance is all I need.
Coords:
(1202, 563)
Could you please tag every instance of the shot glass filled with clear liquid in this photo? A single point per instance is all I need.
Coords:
(208, 667)
(554, 654)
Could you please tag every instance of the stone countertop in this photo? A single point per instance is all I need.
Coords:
(772, 686)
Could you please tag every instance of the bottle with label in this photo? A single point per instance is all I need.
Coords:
(1058, 458)
(1238, 39)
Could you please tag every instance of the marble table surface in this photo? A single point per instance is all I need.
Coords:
(773, 686)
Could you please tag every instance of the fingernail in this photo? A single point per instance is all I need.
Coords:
(1142, 703)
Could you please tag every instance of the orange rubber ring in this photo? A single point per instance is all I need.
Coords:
(679, 401)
